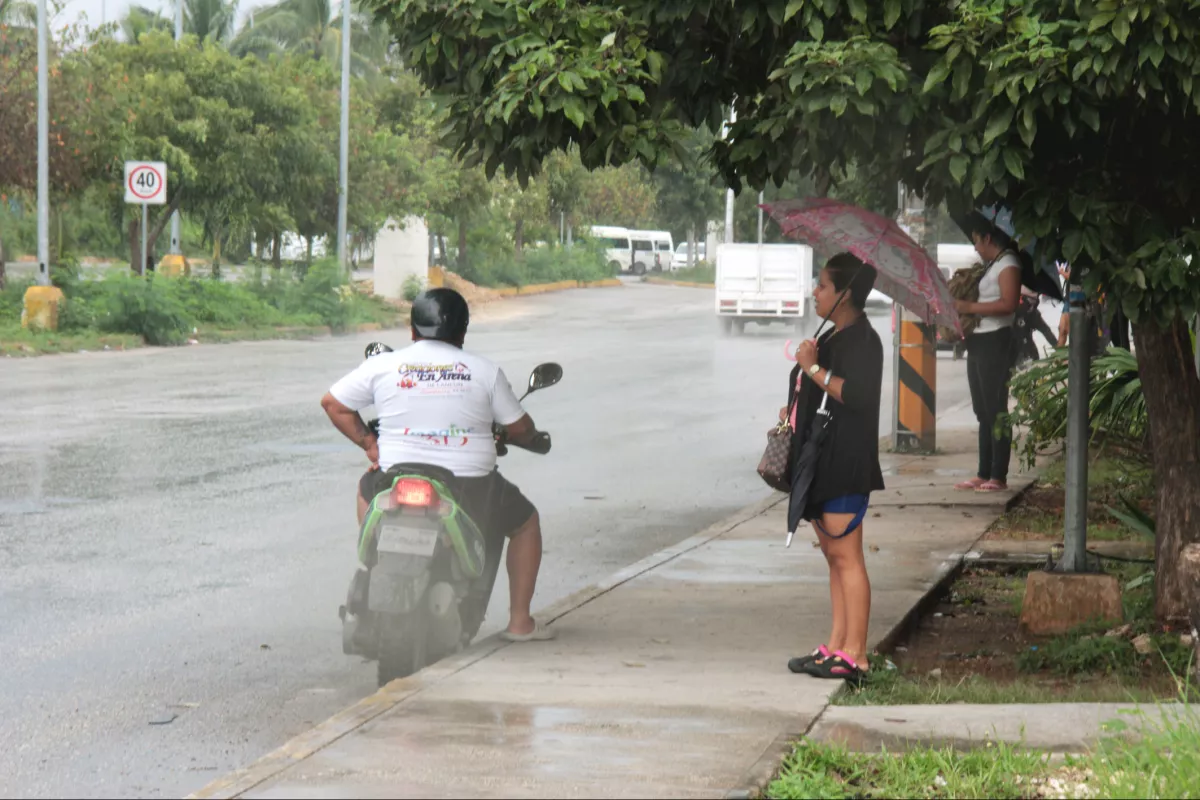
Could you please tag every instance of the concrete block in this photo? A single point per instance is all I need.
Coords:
(1057, 602)
(174, 265)
(42, 304)
(401, 253)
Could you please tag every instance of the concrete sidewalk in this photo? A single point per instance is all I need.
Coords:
(669, 679)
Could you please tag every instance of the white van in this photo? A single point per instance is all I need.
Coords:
(662, 246)
(681, 254)
(617, 244)
(953, 257)
(763, 283)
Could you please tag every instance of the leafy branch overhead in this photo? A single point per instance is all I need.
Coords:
(1083, 117)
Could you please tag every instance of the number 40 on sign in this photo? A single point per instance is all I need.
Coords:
(146, 182)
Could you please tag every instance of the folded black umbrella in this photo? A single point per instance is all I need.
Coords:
(806, 466)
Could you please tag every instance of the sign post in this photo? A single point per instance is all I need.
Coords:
(145, 185)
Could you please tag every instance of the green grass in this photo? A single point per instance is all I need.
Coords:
(820, 770)
(702, 273)
(18, 342)
(893, 688)
(124, 310)
(1109, 475)
(1164, 761)
(1026, 522)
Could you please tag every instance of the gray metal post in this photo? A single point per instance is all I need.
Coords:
(176, 245)
(344, 166)
(729, 198)
(43, 147)
(1074, 557)
(1196, 328)
(145, 218)
(760, 217)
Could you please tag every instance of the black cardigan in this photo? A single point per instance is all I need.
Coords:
(849, 460)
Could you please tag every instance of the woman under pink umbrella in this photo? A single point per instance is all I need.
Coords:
(836, 386)
(847, 365)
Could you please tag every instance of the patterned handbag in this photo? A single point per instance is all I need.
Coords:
(775, 465)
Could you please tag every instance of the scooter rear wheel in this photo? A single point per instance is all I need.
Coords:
(403, 645)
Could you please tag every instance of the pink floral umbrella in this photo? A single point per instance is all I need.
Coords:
(904, 271)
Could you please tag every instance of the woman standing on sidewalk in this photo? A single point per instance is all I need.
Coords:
(990, 351)
(846, 363)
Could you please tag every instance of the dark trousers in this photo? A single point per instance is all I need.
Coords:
(989, 365)
(1041, 326)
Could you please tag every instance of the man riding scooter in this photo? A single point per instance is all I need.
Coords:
(437, 404)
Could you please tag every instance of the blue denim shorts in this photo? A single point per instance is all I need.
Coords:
(856, 504)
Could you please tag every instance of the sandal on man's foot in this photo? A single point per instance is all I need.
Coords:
(799, 663)
(838, 666)
(540, 633)
(969, 485)
(992, 486)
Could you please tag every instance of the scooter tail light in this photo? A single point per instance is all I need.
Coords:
(414, 492)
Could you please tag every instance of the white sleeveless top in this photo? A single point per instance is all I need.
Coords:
(989, 292)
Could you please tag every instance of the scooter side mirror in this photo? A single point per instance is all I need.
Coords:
(544, 376)
(375, 348)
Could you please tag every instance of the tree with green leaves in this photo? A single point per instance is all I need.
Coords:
(210, 20)
(1081, 116)
(140, 20)
(314, 28)
(688, 193)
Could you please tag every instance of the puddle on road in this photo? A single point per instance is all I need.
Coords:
(922, 470)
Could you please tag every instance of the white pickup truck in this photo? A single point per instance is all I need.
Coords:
(763, 283)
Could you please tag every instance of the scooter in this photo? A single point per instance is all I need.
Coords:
(426, 570)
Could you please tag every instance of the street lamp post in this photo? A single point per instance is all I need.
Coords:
(175, 224)
(43, 144)
(343, 169)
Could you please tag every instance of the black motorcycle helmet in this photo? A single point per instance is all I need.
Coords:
(441, 314)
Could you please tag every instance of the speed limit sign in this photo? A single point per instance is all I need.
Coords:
(146, 182)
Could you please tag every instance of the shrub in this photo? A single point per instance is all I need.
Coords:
(1117, 406)
(326, 293)
(586, 261)
(12, 301)
(225, 305)
(413, 286)
(149, 307)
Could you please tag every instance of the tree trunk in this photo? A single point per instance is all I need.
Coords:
(277, 251)
(691, 262)
(308, 248)
(519, 238)
(3, 265)
(1172, 392)
(822, 181)
(1189, 568)
(216, 259)
(462, 244)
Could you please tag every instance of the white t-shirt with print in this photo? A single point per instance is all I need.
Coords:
(989, 292)
(436, 404)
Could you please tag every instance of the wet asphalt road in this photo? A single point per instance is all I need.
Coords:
(176, 526)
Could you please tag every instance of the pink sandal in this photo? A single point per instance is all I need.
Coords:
(971, 485)
(992, 486)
